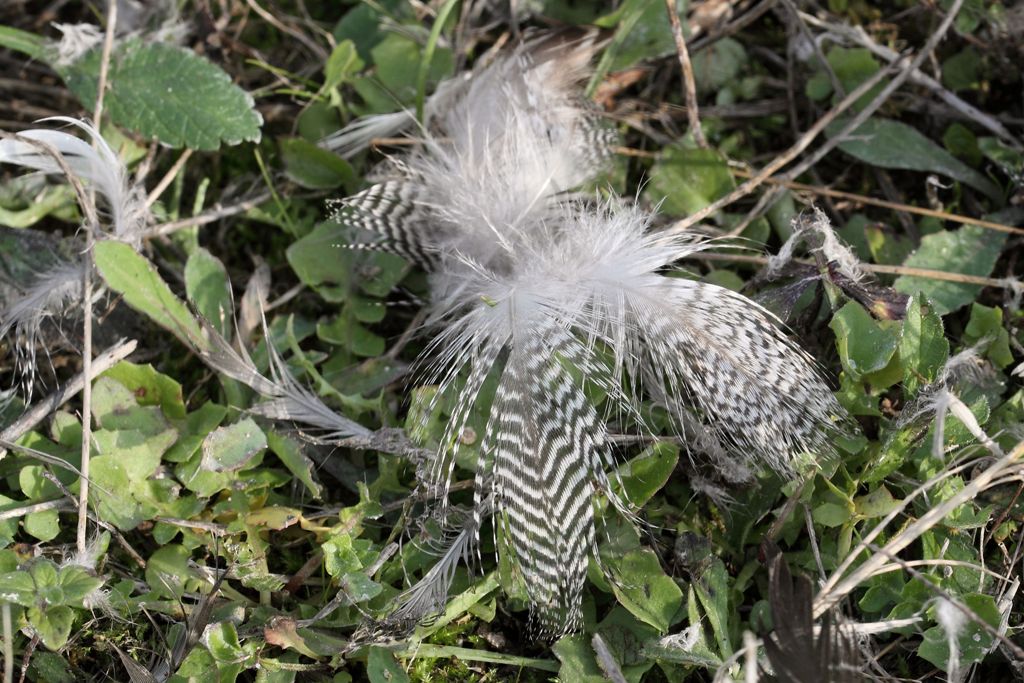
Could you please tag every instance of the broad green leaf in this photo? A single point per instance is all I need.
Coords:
(44, 524)
(643, 588)
(137, 452)
(77, 584)
(322, 261)
(27, 43)
(877, 503)
(891, 144)
(229, 449)
(923, 345)
(712, 590)
(578, 660)
(131, 275)
(289, 452)
(687, 180)
(718, 65)
(53, 624)
(865, 345)
(969, 250)
(167, 571)
(343, 63)
(644, 475)
(831, 515)
(986, 326)
(973, 641)
(208, 288)
(150, 388)
(314, 167)
(169, 93)
(110, 493)
(642, 31)
(381, 667)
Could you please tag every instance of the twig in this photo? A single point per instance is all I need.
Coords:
(207, 217)
(820, 125)
(863, 115)
(37, 413)
(58, 504)
(686, 66)
(90, 232)
(1004, 283)
(918, 77)
(793, 152)
(884, 204)
(167, 179)
(839, 586)
(8, 633)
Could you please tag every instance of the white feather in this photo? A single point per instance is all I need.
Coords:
(96, 165)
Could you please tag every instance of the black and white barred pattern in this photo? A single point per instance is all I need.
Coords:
(543, 293)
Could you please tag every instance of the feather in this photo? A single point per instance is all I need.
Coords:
(540, 293)
(286, 398)
(96, 165)
(544, 68)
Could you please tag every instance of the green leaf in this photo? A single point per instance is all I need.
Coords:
(831, 514)
(130, 274)
(289, 452)
(229, 449)
(77, 584)
(923, 345)
(973, 641)
(970, 251)
(578, 661)
(891, 144)
(111, 499)
(381, 667)
(53, 624)
(22, 41)
(865, 345)
(149, 387)
(877, 503)
(44, 525)
(343, 63)
(169, 93)
(644, 475)
(167, 571)
(313, 167)
(643, 587)
(208, 288)
(986, 327)
(687, 180)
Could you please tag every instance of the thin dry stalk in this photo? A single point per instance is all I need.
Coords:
(8, 628)
(208, 217)
(878, 268)
(857, 35)
(783, 159)
(807, 138)
(863, 115)
(90, 229)
(689, 83)
(37, 413)
(167, 179)
(839, 586)
(884, 204)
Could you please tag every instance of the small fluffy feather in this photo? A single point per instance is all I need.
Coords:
(545, 69)
(96, 165)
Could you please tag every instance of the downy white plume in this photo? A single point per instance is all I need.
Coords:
(94, 163)
(544, 70)
(828, 244)
(540, 293)
(50, 290)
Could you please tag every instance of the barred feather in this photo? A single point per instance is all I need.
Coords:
(545, 293)
(511, 139)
